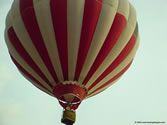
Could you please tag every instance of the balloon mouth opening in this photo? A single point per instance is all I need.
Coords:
(69, 98)
(69, 92)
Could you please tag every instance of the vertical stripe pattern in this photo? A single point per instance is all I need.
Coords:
(89, 42)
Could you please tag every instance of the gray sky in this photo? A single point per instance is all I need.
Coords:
(140, 95)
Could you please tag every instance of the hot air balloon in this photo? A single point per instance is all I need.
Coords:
(72, 49)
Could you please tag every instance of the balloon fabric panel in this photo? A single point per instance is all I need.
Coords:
(78, 46)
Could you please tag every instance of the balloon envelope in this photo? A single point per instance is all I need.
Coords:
(72, 49)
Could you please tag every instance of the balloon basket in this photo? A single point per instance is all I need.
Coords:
(68, 117)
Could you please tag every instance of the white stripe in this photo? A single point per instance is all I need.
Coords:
(118, 69)
(26, 41)
(8, 21)
(120, 44)
(23, 64)
(43, 15)
(123, 8)
(104, 24)
(132, 17)
(102, 89)
(75, 10)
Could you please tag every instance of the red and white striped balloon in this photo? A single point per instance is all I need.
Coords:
(72, 49)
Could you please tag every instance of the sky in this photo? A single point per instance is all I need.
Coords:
(140, 95)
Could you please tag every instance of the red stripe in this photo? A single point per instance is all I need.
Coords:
(114, 34)
(59, 18)
(90, 19)
(122, 56)
(27, 74)
(23, 53)
(31, 24)
(113, 79)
